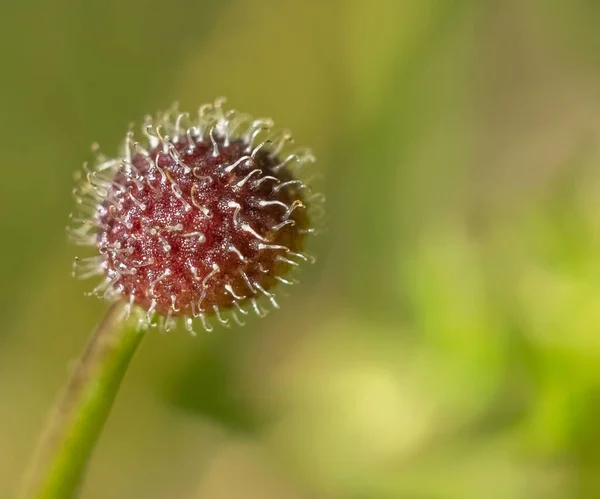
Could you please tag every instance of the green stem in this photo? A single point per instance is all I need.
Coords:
(69, 439)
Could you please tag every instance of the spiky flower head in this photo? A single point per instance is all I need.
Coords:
(202, 217)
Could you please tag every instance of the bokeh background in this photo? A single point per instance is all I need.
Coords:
(446, 344)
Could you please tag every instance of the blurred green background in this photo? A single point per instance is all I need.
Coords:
(446, 345)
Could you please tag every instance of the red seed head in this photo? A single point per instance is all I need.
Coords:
(203, 218)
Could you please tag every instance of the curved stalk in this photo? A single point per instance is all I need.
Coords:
(75, 426)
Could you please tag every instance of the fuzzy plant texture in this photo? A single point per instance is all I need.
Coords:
(199, 219)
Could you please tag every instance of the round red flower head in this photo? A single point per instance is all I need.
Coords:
(201, 218)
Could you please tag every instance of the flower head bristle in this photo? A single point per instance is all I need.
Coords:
(200, 219)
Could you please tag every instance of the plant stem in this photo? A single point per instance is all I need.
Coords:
(76, 424)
